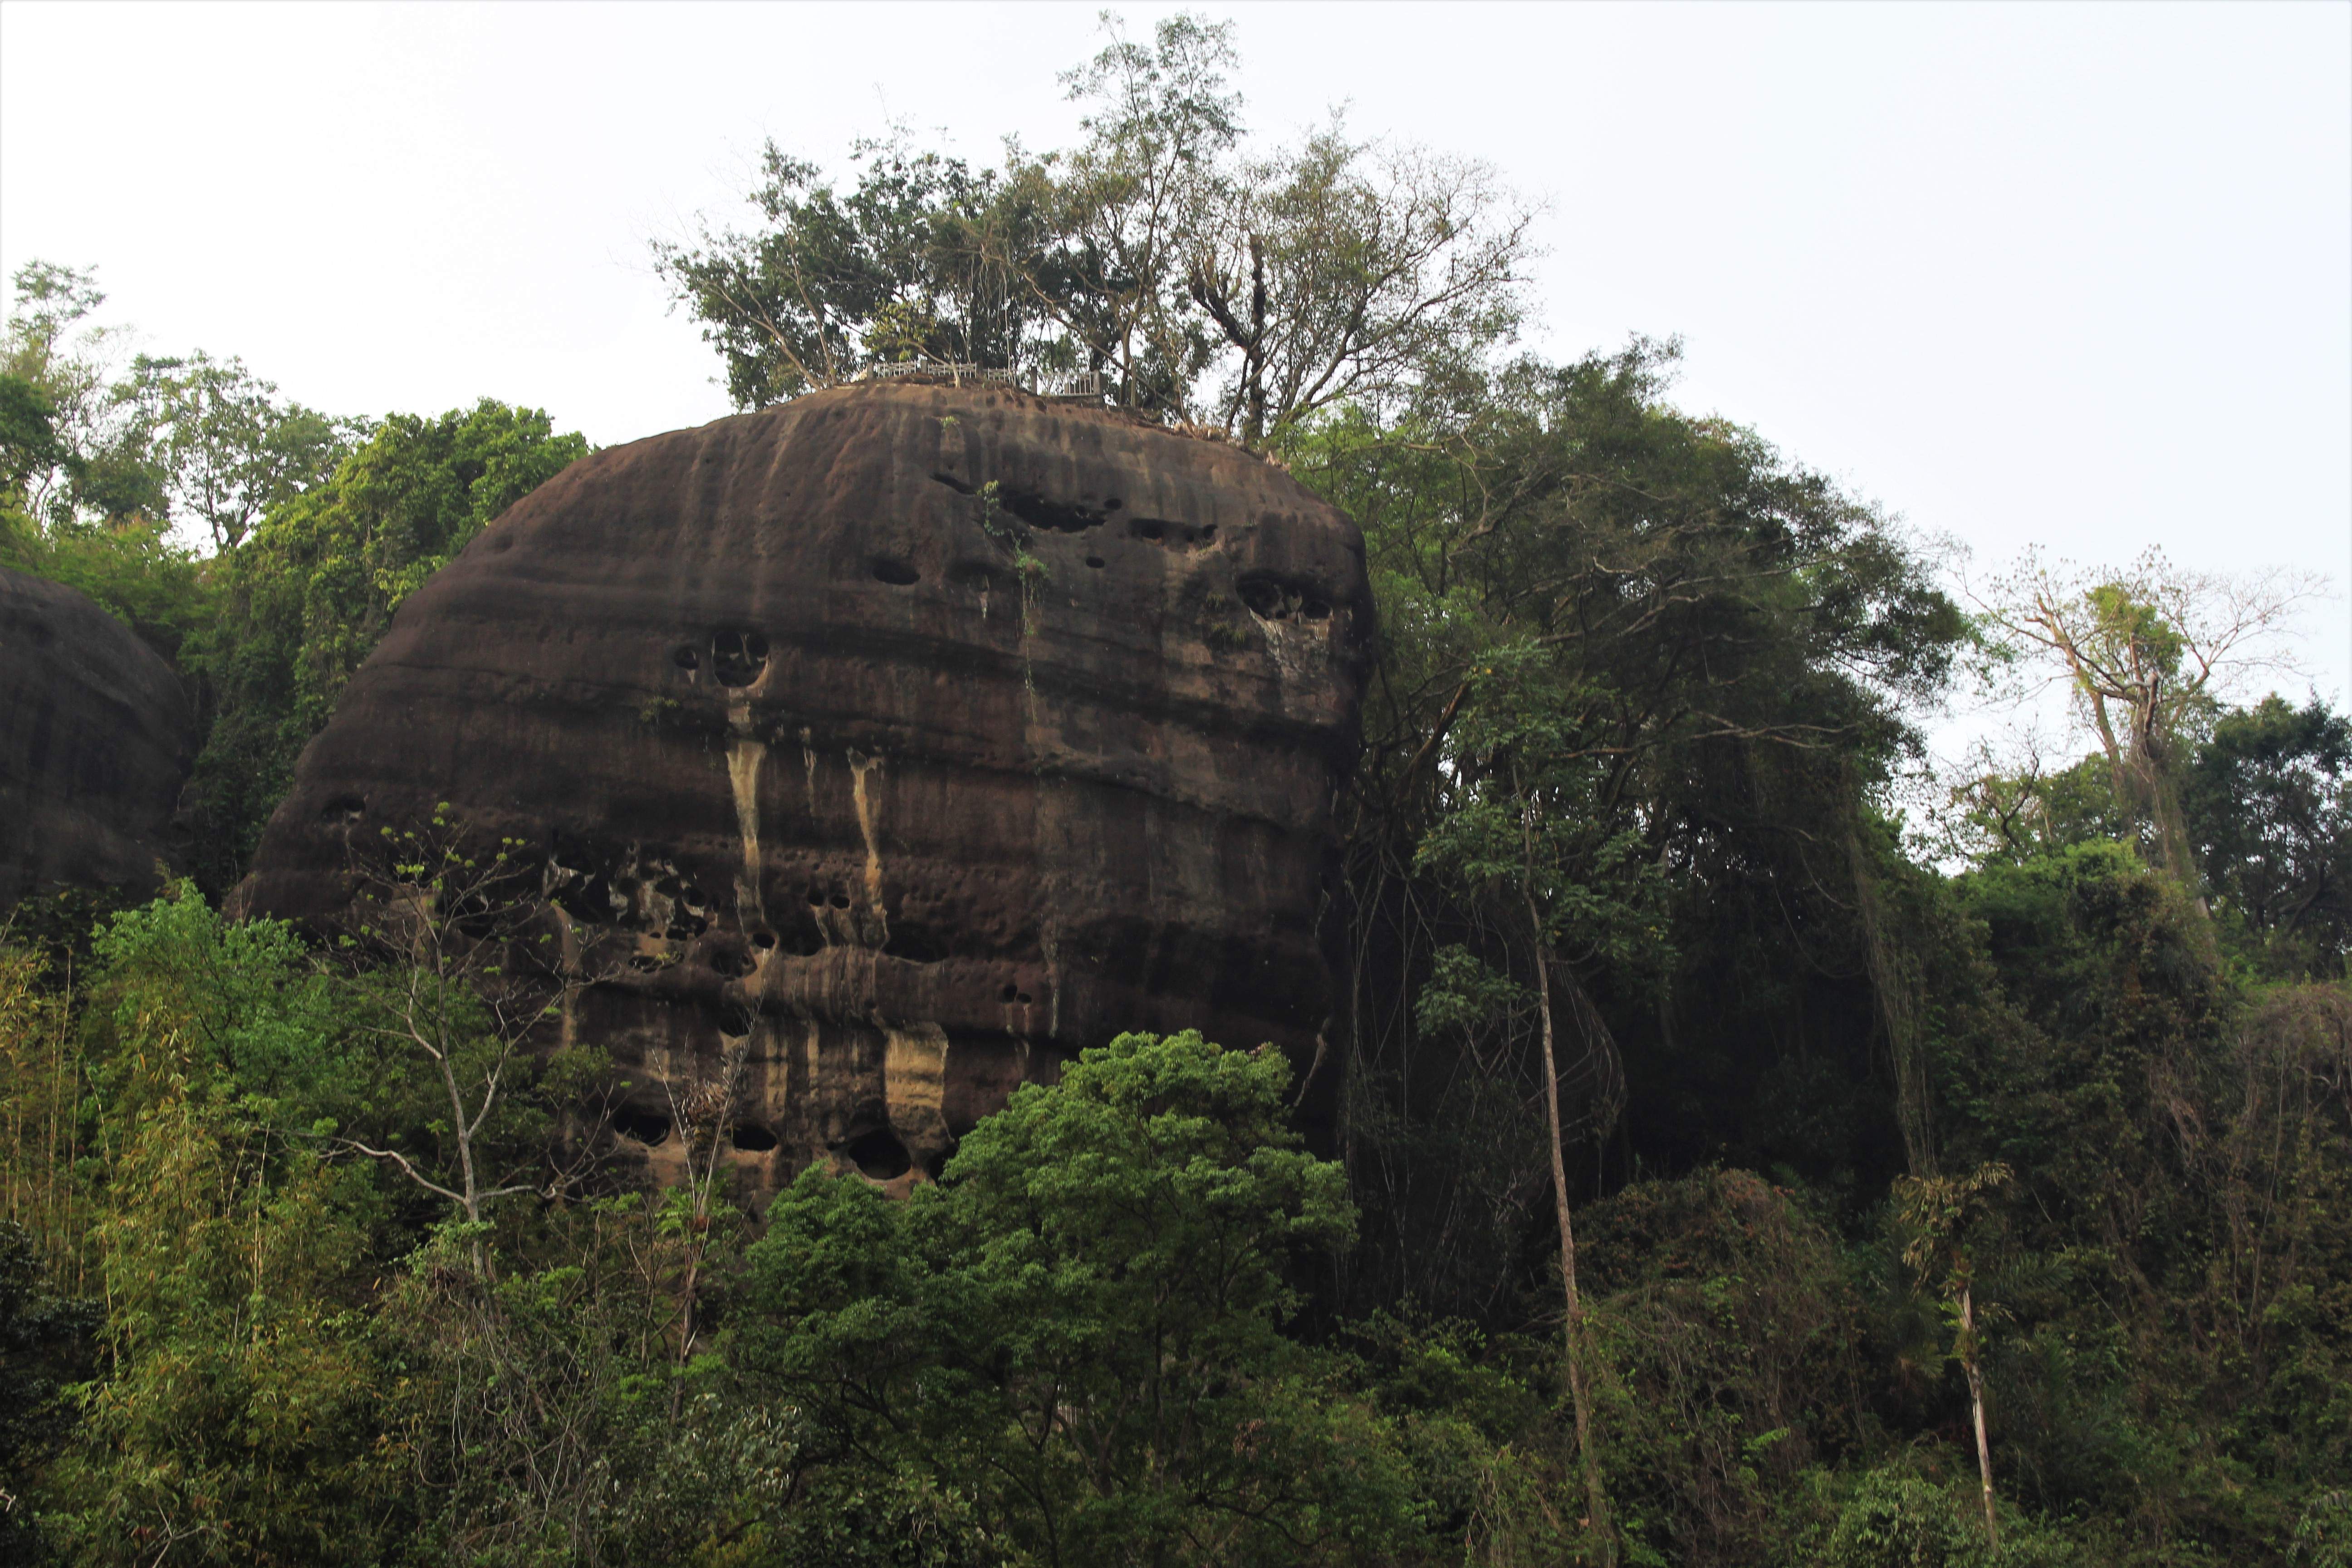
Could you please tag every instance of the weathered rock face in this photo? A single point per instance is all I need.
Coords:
(910, 738)
(95, 741)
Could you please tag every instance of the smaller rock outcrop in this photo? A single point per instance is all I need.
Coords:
(96, 736)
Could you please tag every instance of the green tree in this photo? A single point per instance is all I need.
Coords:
(310, 592)
(2268, 803)
(1200, 282)
(44, 1344)
(908, 265)
(232, 1419)
(228, 450)
(1077, 1326)
(1699, 657)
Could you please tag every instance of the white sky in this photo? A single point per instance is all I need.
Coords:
(2073, 275)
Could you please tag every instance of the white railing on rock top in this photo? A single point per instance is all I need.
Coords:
(1085, 386)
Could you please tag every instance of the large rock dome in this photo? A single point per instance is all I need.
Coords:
(95, 739)
(908, 737)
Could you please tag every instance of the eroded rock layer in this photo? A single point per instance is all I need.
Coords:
(95, 737)
(910, 737)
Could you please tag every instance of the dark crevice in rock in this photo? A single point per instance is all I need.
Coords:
(640, 1125)
(877, 1154)
(1172, 535)
(1052, 516)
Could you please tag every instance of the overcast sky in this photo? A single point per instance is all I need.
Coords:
(2073, 275)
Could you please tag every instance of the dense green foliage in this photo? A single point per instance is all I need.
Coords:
(1199, 278)
(1709, 1153)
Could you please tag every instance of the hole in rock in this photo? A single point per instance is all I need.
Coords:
(343, 808)
(670, 886)
(1208, 533)
(694, 899)
(763, 940)
(686, 658)
(915, 945)
(1150, 528)
(898, 573)
(1264, 596)
(475, 917)
(1011, 991)
(840, 901)
(1052, 516)
(737, 658)
(815, 896)
(878, 1154)
(1113, 504)
(1022, 997)
(640, 1125)
(589, 899)
(732, 962)
(752, 1138)
(682, 927)
(734, 1019)
(1281, 599)
(1094, 561)
(953, 483)
(803, 945)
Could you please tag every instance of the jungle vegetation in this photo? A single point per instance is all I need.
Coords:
(1740, 1157)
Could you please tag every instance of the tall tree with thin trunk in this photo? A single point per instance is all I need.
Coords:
(1940, 1212)
(2145, 651)
(1525, 835)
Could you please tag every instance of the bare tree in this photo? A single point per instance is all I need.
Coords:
(462, 966)
(2144, 651)
(1340, 271)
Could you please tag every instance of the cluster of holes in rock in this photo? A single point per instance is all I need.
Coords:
(818, 897)
(1273, 598)
(640, 1124)
(1049, 516)
(689, 907)
(1014, 994)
